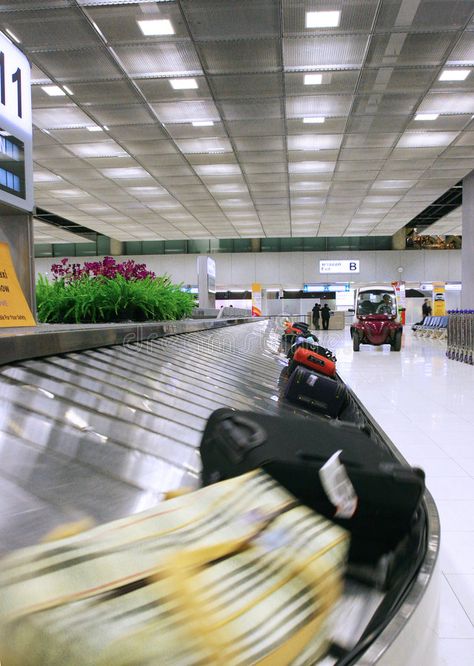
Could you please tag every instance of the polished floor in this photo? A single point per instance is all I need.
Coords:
(425, 403)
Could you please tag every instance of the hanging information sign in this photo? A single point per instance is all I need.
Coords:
(16, 161)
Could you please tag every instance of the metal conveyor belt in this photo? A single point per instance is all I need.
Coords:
(103, 433)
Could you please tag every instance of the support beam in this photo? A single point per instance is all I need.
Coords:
(116, 247)
(399, 240)
(467, 257)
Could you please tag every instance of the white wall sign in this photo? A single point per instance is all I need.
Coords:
(16, 170)
(339, 266)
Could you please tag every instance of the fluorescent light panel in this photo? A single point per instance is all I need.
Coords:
(12, 35)
(53, 91)
(203, 123)
(426, 116)
(454, 74)
(183, 84)
(94, 128)
(329, 19)
(313, 121)
(68, 90)
(156, 27)
(313, 79)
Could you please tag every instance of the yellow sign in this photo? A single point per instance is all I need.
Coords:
(256, 299)
(439, 302)
(14, 310)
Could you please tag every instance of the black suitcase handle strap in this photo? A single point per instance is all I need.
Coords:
(240, 435)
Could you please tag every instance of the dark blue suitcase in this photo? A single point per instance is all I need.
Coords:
(317, 392)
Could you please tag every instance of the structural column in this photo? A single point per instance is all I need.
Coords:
(116, 247)
(399, 240)
(467, 293)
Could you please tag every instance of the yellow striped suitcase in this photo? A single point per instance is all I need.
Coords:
(236, 573)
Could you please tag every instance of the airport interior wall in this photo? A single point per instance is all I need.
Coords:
(293, 269)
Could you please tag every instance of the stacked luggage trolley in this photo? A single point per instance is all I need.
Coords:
(248, 567)
(460, 335)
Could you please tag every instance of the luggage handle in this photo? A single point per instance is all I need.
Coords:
(238, 442)
(318, 361)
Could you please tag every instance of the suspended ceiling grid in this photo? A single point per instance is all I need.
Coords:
(449, 225)
(48, 233)
(259, 170)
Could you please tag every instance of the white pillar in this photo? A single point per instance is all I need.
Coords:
(206, 274)
(467, 257)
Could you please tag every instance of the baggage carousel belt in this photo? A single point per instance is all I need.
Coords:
(104, 433)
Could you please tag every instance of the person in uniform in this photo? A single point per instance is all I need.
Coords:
(386, 306)
(325, 314)
(426, 309)
(316, 310)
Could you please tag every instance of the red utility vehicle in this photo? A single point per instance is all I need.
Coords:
(376, 312)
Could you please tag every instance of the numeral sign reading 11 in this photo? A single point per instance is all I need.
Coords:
(16, 78)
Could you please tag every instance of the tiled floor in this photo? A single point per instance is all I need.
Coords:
(425, 403)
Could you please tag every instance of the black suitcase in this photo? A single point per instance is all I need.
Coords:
(301, 325)
(289, 339)
(293, 450)
(315, 391)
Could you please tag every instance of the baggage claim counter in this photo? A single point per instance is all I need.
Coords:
(98, 422)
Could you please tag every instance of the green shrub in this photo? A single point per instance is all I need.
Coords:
(100, 299)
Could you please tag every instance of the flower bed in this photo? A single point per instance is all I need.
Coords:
(107, 291)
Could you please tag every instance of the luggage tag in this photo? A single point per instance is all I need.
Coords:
(338, 487)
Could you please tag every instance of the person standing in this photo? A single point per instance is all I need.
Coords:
(325, 314)
(316, 310)
(426, 309)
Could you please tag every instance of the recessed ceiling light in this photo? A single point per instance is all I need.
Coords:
(68, 90)
(53, 91)
(323, 19)
(183, 84)
(94, 128)
(203, 123)
(156, 27)
(312, 121)
(426, 116)
(12, 35)
(313, 79)
(454, 74)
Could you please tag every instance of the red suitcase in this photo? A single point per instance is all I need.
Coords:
(294, 330)
(313, 361)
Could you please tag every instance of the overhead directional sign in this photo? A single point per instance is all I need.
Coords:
(339, 266)
(313, 288)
